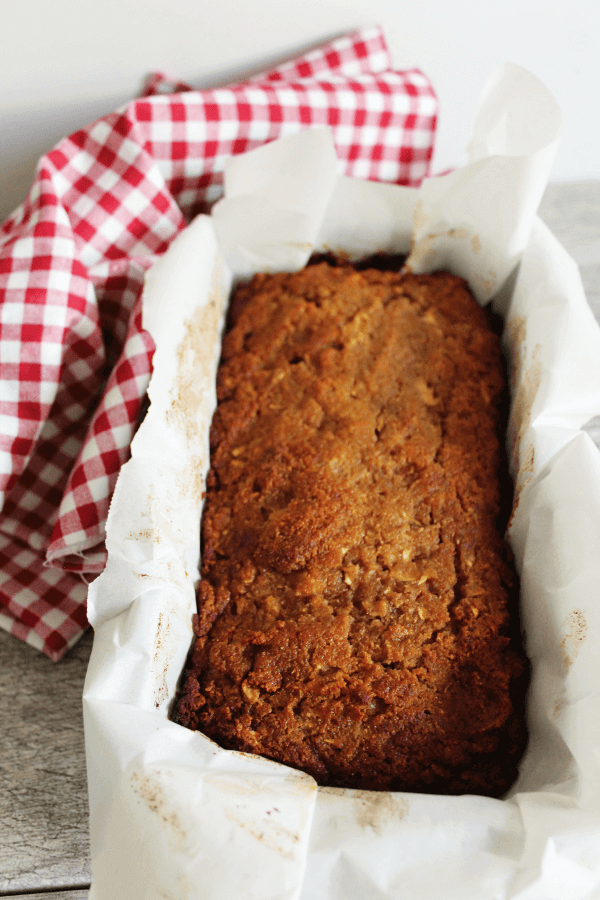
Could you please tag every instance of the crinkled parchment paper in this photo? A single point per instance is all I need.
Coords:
(173, 815)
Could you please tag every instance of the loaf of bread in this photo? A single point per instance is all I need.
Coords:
(356, 613)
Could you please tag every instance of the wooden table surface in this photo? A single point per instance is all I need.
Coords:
(44, 837)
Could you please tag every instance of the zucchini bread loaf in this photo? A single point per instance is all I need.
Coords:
(356, 612)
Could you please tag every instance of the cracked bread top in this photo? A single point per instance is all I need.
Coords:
(354, 612)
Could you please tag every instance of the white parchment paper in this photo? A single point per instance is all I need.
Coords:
(173, 815)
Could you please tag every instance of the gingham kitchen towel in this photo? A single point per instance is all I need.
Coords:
(106, 202)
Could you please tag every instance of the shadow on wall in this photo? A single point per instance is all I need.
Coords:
(30, 130)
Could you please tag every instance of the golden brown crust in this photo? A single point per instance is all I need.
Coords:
(353, 610)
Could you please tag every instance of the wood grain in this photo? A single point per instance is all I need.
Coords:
(572, 212)
(44, 838)
(51, 895)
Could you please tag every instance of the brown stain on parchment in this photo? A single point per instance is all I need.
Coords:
(146, 534)
(376, 810)
(524, 388)
(195, 363)
(161, 645)
(152, 794)
(194, 377)
(269, 837)
(525, 396)
(573, 640)
(575, 626)
(421, 249)
(373, 809)
(515, 334)
(236, 787)
(195, 374)
(264, 827)
(424, 255)
(558, 707)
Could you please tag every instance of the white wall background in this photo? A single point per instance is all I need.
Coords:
(67, 62)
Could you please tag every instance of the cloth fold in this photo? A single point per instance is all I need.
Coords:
(106, 202)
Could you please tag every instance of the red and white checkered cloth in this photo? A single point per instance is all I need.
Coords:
(106, 202)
